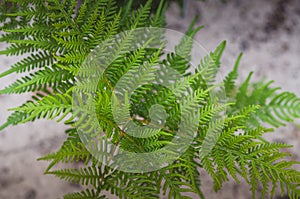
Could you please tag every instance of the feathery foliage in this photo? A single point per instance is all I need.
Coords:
(57, 37)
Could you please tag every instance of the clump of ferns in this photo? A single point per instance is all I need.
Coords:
(56, 37)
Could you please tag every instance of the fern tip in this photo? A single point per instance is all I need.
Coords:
(3, 126)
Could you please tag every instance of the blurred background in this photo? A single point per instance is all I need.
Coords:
(266, 31)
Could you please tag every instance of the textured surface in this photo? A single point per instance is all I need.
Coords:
(267, 31)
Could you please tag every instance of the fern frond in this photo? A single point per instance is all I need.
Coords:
(87, 194)
(258, 162)
(85, 176)
(275, 108)
(208, 67)
(14, 119)
(31, 62)
(140, 17)
(229, 81)
(72, 150)
(48, 106)
(18, 49)
(282, 108)
(39, 81)
(179, 60)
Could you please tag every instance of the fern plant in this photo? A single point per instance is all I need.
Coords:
(57, 37)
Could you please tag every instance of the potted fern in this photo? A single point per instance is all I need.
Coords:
(144, 121)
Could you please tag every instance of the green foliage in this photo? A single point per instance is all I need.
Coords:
(275, 108)
(57, 36)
